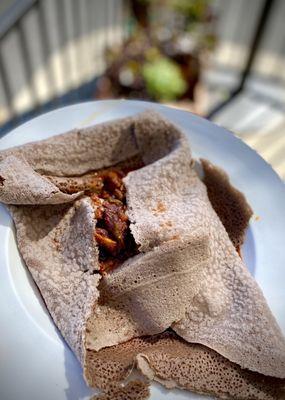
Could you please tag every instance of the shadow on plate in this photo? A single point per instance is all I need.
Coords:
(248, 251)
(77, 388)
(5, 216)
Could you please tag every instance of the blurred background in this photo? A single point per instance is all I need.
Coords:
(221, 59)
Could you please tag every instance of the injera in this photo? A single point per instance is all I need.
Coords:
(211, 297)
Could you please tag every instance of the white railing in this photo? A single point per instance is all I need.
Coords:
(53, 46)
(49, 47)
(236, 25)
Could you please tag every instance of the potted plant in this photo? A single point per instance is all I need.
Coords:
(161, 59)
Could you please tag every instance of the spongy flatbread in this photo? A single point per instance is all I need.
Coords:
(80, 150)
(58, 246)
(167, 205)
(134, 390)
(148, 292)
(228, 202)
(230, 314)
(175, 363)
(22, 185)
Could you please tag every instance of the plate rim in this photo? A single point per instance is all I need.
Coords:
(142, 104)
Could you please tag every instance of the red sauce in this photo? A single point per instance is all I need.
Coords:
(108, 194)
(112, 232)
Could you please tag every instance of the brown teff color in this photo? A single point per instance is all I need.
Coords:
(20, 184)
(188, 275)
(228, 202)
(175, 363)
(134, 390)
(57, 244)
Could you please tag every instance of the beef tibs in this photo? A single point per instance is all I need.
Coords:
(112, 234)
(107, 191)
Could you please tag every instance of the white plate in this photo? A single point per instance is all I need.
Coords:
(35, 363)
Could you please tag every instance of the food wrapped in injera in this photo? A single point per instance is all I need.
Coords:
(187, 276)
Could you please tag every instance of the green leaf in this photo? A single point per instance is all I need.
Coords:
(164, 79)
